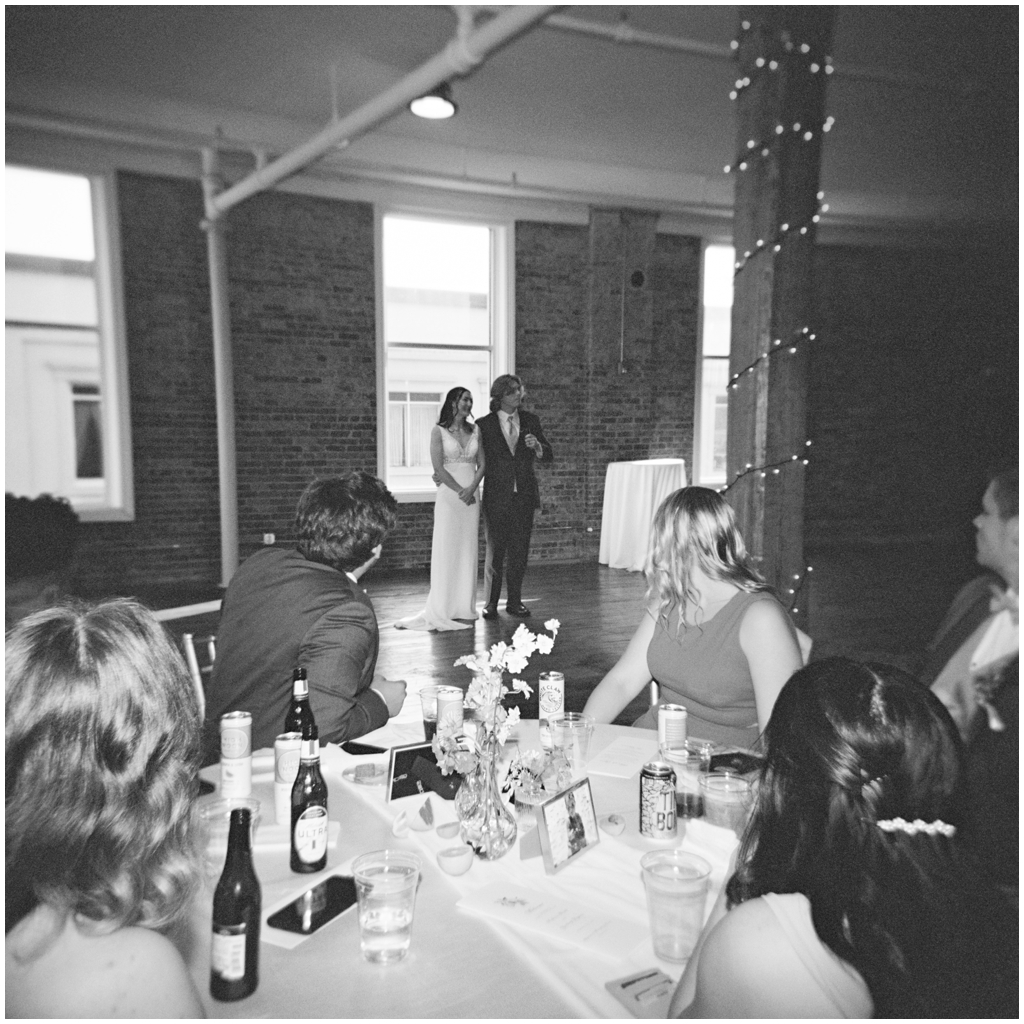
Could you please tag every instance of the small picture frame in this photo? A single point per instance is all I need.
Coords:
(402, 780)
(567, 825)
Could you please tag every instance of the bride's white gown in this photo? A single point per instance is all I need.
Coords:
(453, 553)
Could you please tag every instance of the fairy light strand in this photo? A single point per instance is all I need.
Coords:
(777, 347)
(762, 148)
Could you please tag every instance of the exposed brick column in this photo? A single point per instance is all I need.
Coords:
(780, 113)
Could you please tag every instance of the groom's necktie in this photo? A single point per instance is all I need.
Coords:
(513, 435)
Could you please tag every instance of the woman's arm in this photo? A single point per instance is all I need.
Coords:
(468, 494)
(628, 677)
(686, 990)
(437, 461)
(772, 653)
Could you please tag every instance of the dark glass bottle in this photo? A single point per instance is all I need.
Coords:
(234, 969)
(309, 807)
(299, 712)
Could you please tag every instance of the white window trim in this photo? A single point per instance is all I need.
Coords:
(502, 316)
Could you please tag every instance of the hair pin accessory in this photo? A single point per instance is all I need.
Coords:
(931, 828)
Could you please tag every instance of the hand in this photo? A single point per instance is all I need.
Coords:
(393, 692)
(467, 495)
(533, 444)
(437, 479)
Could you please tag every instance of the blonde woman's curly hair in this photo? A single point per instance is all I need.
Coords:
(694, 526)
(102, 734)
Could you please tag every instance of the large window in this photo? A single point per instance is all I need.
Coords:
(445, 322)
(65, 386)
(712, 394)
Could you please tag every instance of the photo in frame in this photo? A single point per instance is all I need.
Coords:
(567, 825)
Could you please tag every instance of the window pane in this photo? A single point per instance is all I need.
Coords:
(396, 434)
(48, 214)
(714, 405)
(88, 440)
(713, 401)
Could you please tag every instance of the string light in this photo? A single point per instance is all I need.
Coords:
(804, 334)
(783, 233)
(763, 148)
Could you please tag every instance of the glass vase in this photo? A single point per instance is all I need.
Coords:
(487, 825)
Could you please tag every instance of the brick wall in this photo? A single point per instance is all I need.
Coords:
(915, 347)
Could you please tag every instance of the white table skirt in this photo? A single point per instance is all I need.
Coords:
(632, 493)
(459, 965)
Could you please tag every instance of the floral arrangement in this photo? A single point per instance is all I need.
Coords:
(486, 694)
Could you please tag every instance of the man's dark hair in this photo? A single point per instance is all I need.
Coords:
(42, 536)
(340, 520)
(1005, 488)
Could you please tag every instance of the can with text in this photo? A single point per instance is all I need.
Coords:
(286, 767)
(671, 728)
(551, 704)
(657, 801)
(236, 754)
(449, 710)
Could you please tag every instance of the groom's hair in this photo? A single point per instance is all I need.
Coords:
(1005, 488)
(503, 385)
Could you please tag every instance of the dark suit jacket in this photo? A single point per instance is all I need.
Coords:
(970, 608)
(281, 611)
(504, 471)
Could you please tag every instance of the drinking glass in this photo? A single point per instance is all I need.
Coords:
(571, 733)
(386, 882)
(726, 800)
(428, 701)
(690, 762)
(676, 885)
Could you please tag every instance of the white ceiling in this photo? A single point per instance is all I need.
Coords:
(925, 99)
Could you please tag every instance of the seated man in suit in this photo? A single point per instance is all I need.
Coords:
(304, 607)
(513, 441)
(973, 668)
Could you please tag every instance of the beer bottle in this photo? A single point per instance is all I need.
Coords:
(299, 713)
(234, 968)
(309, 807)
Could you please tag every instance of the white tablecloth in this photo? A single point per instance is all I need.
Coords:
(459, 965)
(632, 493)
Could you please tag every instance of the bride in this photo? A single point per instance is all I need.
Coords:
(458, 459)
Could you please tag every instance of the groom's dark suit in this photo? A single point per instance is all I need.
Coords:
(511, 497)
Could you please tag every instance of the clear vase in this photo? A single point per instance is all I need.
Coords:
(486, 822)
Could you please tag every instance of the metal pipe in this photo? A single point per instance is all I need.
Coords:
(623, 32)
(223, 372)
(459, 57)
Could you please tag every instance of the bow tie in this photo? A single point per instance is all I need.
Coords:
(1006, 600)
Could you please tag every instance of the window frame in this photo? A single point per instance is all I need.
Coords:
(502, 318)
(116, 502)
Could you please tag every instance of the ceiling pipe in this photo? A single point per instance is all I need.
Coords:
(623, 32)
(458, 58)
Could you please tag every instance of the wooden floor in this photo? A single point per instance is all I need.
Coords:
(872, 604)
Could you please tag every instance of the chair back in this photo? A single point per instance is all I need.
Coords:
(200, 653)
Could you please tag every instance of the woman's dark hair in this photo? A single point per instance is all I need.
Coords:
(849, 745)
(102, 749)
(451, 401)
(340, 520)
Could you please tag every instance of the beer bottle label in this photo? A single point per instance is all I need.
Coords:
(228, 951)
(311, 834)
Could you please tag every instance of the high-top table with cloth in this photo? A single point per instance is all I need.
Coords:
(632, 493)
(459, 964)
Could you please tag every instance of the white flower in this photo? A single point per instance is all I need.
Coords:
(553, 626)
(545, 643)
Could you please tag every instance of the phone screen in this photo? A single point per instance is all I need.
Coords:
(361, 748)
(316, 906)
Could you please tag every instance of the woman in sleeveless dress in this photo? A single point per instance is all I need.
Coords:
(458, 459)
(713, 636)
(857, 889)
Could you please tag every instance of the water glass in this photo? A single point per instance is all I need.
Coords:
(571, 733)
(676, 885)
(386, 882)
(727, 799)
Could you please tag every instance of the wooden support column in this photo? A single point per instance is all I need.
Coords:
(781, 76)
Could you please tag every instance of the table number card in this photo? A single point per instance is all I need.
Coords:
(559, 919)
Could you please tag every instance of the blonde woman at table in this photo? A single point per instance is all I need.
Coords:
(713, 636)
(857, 892)
(102, 737)
(458, 460)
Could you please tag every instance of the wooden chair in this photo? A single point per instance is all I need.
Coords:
(805, 642)
(194, 647)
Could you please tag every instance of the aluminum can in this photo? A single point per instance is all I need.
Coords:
(286, 767)
(449, 709)
(671, 727)
(236, 754)
(551, 700)
(657, 801)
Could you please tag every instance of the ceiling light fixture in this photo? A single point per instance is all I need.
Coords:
(436, 104)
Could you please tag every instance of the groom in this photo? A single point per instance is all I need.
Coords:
(513, 441)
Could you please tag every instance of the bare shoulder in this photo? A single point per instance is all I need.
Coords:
(133, 972)
(766, 620)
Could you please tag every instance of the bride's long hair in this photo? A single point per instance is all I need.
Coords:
(451, 404)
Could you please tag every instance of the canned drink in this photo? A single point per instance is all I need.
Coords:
(236, 754)
(671, 727)
(286, 767)
(449, 710)
(657, 801)
(551, 700)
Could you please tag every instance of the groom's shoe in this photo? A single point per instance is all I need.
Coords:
(490, 612)
(520, 611)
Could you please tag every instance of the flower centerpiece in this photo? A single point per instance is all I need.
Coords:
(474, 751)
